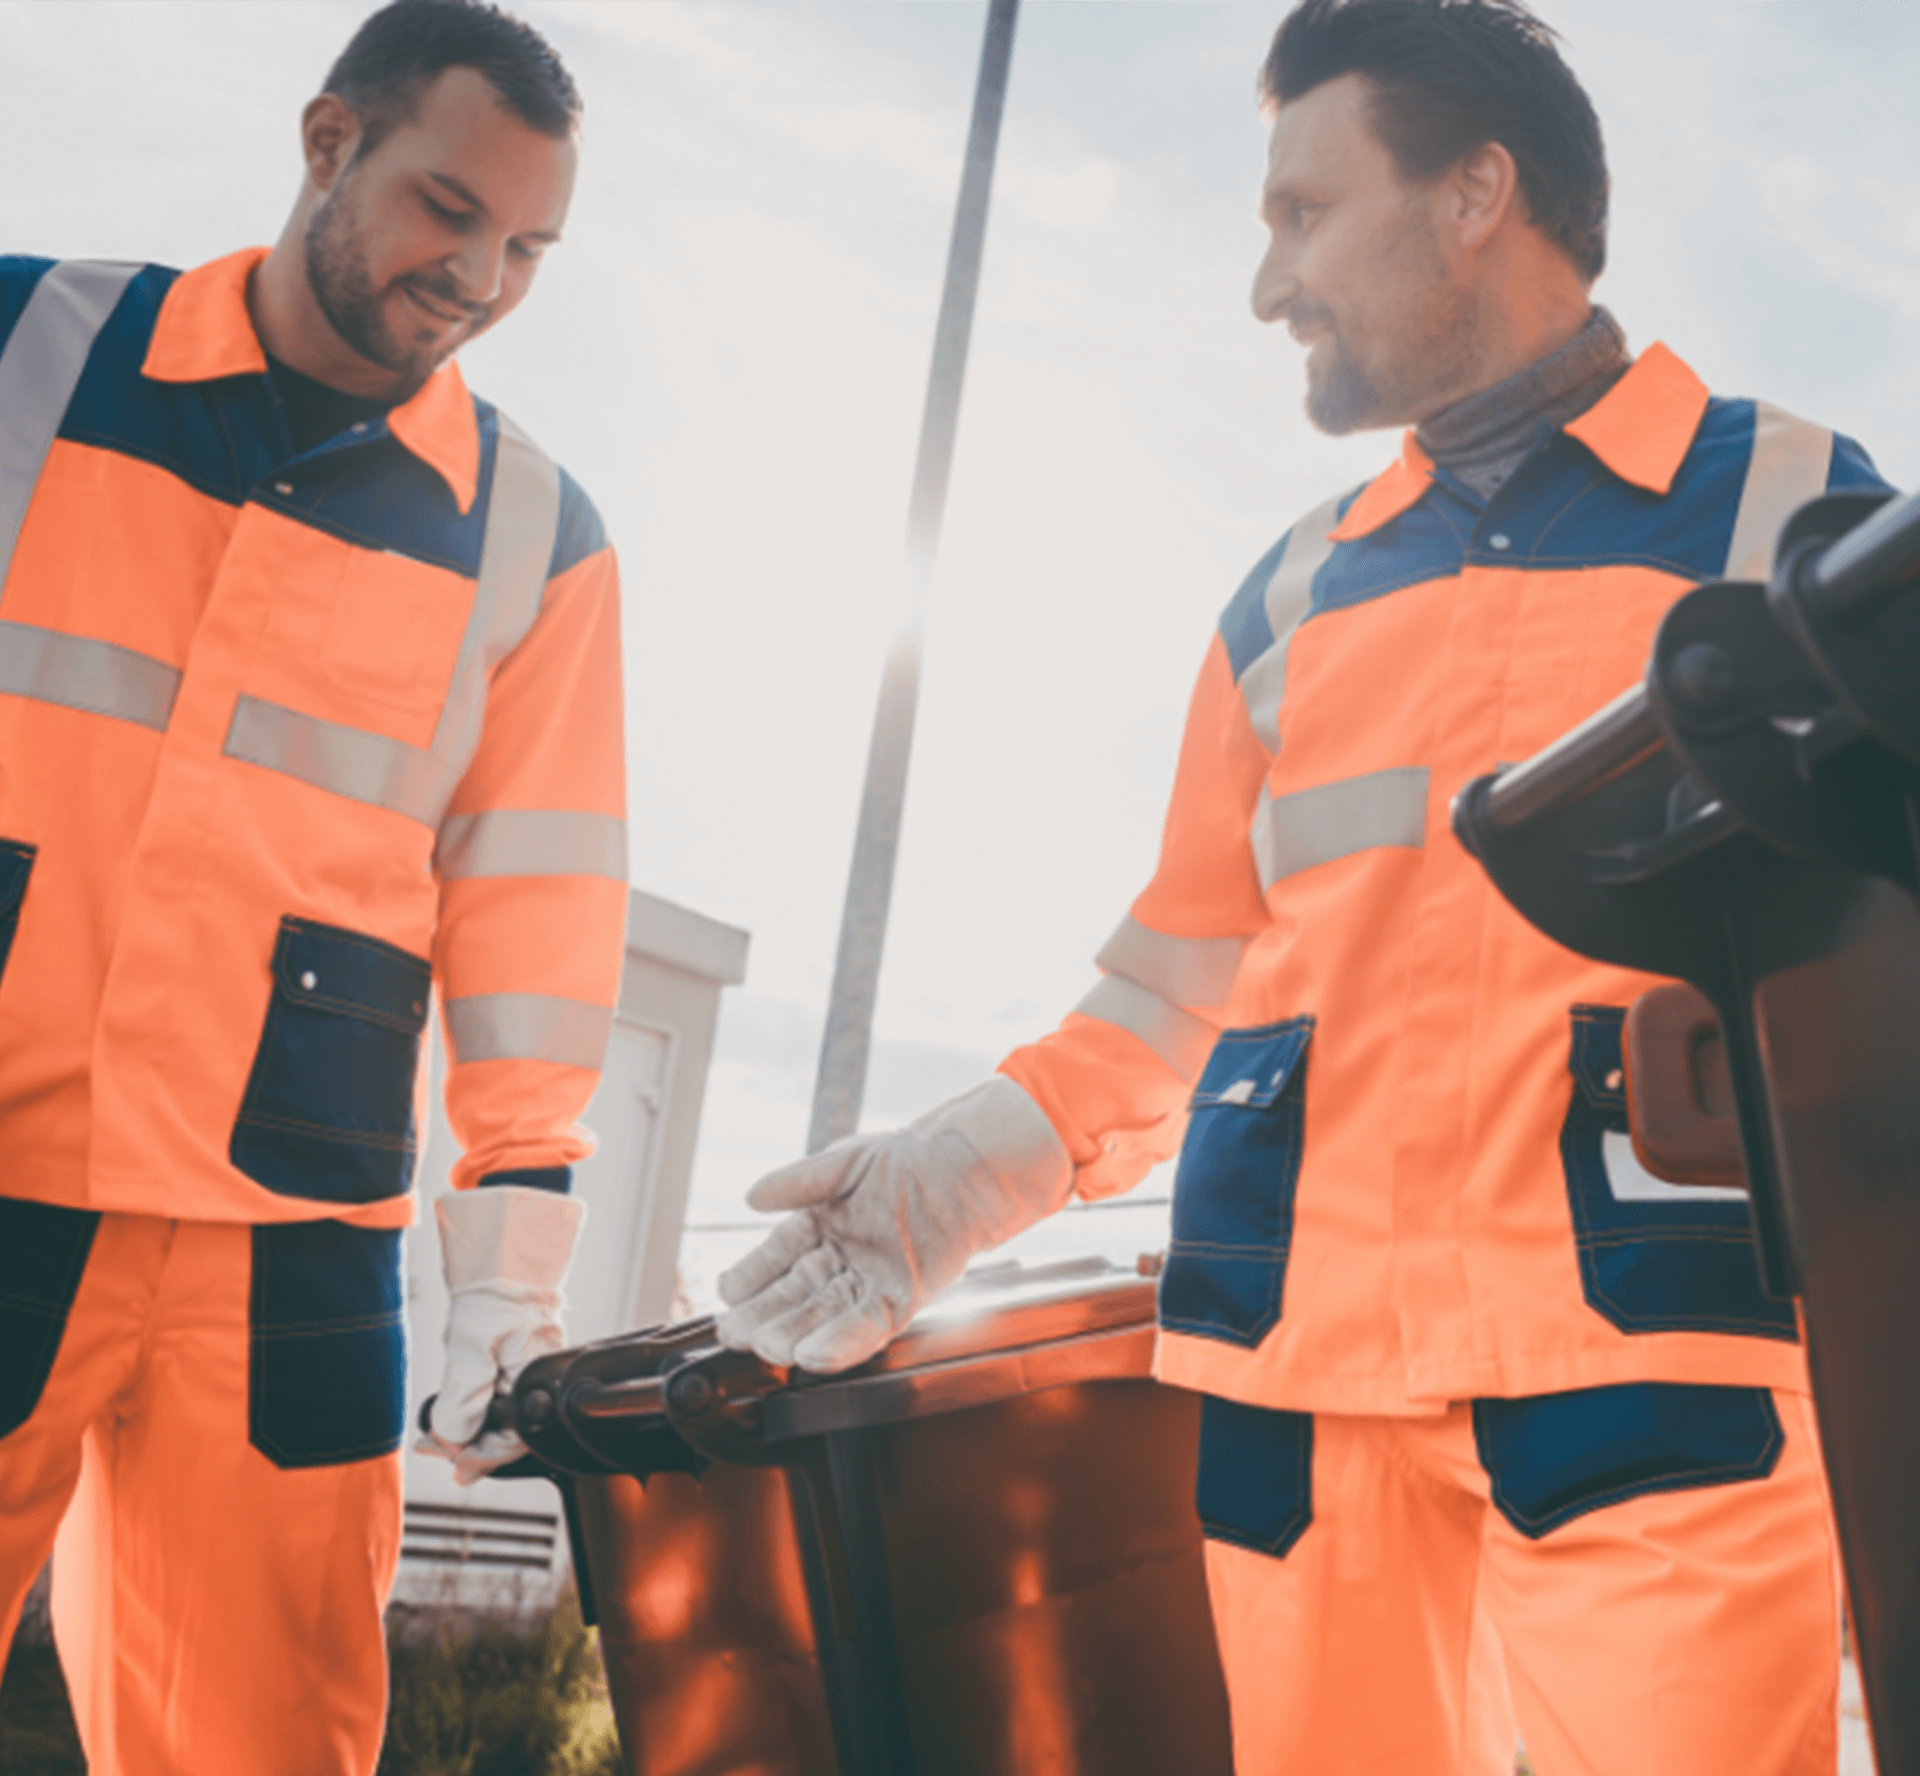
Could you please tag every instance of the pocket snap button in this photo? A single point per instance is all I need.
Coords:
(309, 980)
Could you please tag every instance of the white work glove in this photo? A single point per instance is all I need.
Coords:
(885, 1222)
(504, 1249)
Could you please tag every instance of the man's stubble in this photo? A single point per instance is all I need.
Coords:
(1426, 326)
(339, 275)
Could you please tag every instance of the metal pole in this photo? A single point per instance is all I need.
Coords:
(842, 1080)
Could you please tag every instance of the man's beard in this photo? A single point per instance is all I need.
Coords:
(336, 263)
(1341, 396)
(1424, 347)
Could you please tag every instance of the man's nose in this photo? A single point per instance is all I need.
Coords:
(482, 266)
(1274, 286)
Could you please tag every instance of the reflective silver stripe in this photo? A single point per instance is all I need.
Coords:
(523, 516)
(1198, 971)
(79, 673)
(45, 354)
(528, 1027)
(1296, 832)
(1789, 466)
(1177, 1037)
(345, 761)
(1288, 595)
(532, 842)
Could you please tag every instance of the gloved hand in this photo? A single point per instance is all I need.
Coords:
(885, 1222)
(504, 1249)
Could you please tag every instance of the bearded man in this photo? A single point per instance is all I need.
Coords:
(309, 715)
(1498, 1431)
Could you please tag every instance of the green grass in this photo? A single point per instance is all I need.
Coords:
(489, 1700)
(496, 1701)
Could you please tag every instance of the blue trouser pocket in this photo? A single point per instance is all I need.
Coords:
(43, 1251)
(327, 1358)
(1233, 1192)
(1554, 1457)
(328, 1111)
(16, 865)
(1255, 1484)
(1654, 1257)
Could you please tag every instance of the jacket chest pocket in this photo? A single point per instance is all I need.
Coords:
(394, 632)
(1654, 1256)
(328, 1110)
(1233, 1193)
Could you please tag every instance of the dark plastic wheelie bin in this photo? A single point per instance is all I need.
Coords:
(1748, 821)
(975, 1555)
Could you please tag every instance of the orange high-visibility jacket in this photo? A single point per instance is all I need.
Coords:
(290, 745)
(1406, 1177)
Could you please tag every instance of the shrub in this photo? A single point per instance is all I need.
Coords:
(37, 1737)
(471, 1697)
(500, 1700)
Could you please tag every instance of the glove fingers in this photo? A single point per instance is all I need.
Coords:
(821, 1178)
(777, 1335)
(850, 1338)
(495, 1450)
(813, 1273)
(775, 1255)
(466, 1390)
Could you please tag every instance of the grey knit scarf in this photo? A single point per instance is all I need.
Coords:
(1483, 438)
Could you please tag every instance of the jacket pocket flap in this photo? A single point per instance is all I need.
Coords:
(344, 971)
(1596, 1064)
(16, 865)
(1249, 1069)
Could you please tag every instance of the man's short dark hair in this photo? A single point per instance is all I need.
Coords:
(405, 45)
(1447, 76)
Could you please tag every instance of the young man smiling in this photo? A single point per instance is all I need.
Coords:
(1497, 1428)
(309, 717)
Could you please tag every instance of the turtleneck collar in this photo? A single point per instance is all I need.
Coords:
(1483, 438)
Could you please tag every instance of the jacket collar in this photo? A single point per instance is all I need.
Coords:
(204, 332)
(1641, 429)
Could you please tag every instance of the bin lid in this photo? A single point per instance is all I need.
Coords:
(1001, 1331)
(996, 1307)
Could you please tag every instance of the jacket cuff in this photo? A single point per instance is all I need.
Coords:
(555, 1178)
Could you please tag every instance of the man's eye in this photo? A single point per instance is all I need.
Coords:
(453, 218)
(524, 250)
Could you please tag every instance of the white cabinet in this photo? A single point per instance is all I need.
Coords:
(501, 1544)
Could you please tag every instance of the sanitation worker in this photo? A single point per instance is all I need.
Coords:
(309, 720)
(1497, 1429)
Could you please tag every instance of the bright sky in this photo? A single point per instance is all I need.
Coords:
(730, 352)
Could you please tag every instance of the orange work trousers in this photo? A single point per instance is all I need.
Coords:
(214, 1412)
(1637, 1581)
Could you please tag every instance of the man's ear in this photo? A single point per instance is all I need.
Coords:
(1481, 190)
(329, 133)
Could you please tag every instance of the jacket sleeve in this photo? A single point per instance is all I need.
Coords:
(1114, 1078)
(533, 895)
